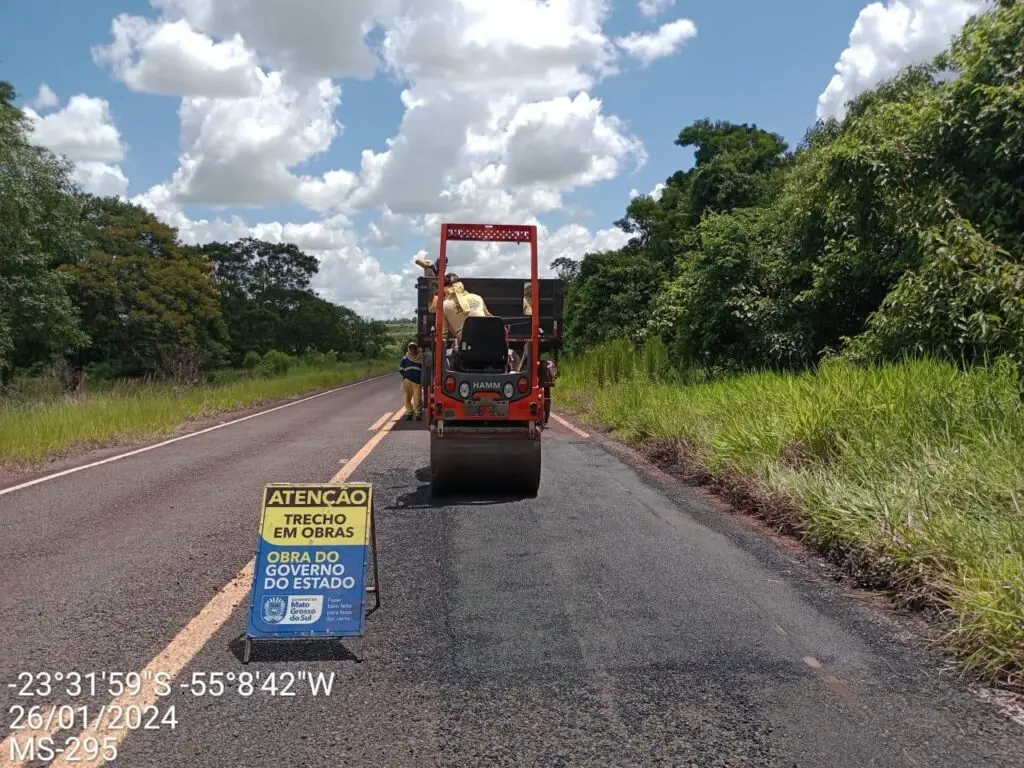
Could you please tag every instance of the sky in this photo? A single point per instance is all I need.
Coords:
(354, 128)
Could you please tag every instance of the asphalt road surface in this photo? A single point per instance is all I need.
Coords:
(619, 619)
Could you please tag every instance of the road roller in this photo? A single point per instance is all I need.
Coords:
(487, 387)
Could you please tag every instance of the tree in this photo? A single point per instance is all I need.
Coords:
(262, 285)
(733, 164)
(965, 299)
(899, 229)
(317, 324)
(148, 302)
(756, 150)
(611, 298)
(39, 227)
(260, 270)
(566, 268)
(373, 336)
(268, 303)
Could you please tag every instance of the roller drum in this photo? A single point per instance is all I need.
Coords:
(488, 463)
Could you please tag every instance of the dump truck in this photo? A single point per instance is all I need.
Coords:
(487, 393)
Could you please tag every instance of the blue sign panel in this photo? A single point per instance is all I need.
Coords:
(310, 576)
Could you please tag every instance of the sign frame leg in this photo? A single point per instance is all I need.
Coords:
(375, 589)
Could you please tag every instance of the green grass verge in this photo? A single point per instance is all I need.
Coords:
(911, 474)
(402, 333)
(33, 432)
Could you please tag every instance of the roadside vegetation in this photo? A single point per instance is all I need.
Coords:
(833, 336)
(400, 333)
(112, 328)
(38, 421)
(911, 475)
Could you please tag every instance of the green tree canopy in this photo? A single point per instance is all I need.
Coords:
(103, 282)
(899, 229)
(269, 304)
(147, 302)
(39, 228)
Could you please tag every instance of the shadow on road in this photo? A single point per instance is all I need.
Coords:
(477, 495)
(409, 426)
(285, 651)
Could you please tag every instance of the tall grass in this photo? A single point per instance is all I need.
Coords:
(32, 431)
(912, 473)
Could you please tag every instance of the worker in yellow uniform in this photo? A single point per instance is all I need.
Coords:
(411, 370)
(458, 302)
(458, 305)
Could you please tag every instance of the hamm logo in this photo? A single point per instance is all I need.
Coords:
(478, 385)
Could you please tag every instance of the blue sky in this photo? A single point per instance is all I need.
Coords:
(765, 63)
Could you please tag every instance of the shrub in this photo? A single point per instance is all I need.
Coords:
(251, 361)
(275, 363)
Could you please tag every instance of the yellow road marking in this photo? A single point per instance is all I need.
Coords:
(569, 426)
(24, 739)
(171, 660)
(362, 453)
(182, 649)
(379, 422)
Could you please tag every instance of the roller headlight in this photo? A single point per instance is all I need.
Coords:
(464, 389)
(509, 390)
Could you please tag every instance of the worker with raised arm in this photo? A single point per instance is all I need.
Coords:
(411, 370)
(458, 302)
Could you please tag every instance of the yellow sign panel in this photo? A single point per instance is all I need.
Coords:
(314, 514)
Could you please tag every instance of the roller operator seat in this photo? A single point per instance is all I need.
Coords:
(483, 345)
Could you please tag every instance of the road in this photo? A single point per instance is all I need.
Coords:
(619, 618)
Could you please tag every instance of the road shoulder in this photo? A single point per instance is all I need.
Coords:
(831, 588)
(88, 454)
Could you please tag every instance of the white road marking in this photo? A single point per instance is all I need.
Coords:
(55, 475)
(569, 426)
(182, 648)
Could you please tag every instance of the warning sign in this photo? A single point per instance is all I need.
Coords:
(314, 547)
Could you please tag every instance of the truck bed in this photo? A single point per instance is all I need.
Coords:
(503, 297)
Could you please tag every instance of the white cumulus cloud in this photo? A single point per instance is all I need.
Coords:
(655, 193)
(474, 68)
(172, 58)
(241, 150)
(888, 37)
(46, 98)
(85, 132)
(566, 142)
(499, 121)
(317, 38)
(654, 8)
(99, 178)
(650, 46)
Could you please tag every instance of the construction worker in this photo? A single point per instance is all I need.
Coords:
(458, 302)
(411, 369)
(458, 305)
(429, 268)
